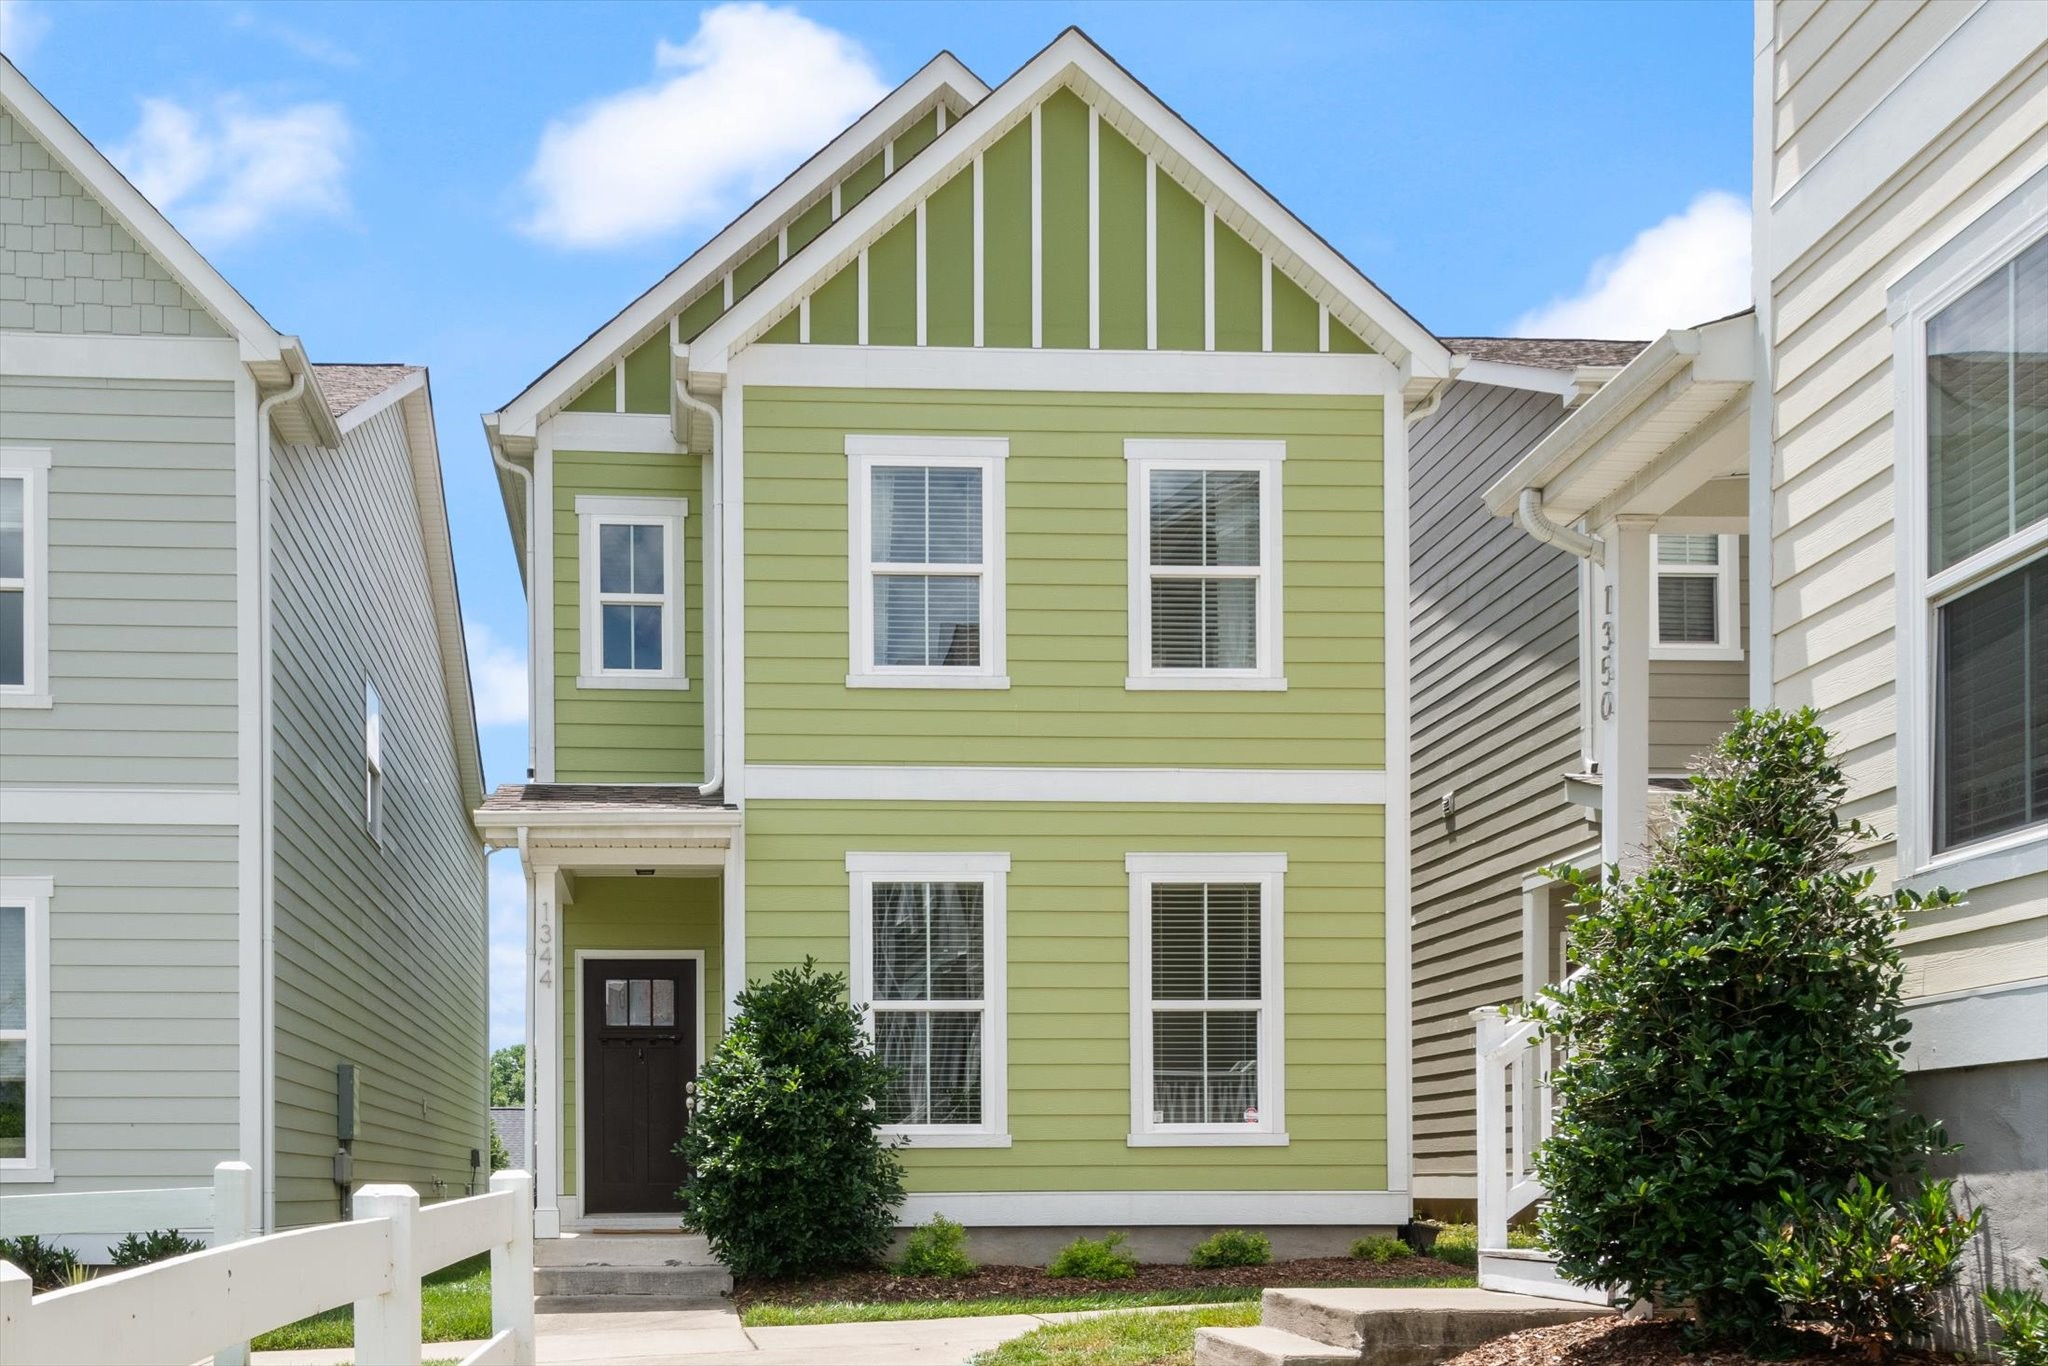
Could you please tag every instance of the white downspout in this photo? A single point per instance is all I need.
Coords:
(499, 459)
(714, 595)
(1529, 513)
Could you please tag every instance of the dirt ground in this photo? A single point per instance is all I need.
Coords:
(1619, 1342)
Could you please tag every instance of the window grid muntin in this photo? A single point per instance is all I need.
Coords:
(632, 598)
(929, 568)
(868, 567)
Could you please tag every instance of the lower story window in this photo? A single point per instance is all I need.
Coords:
(24, 1029)
(1991, 720)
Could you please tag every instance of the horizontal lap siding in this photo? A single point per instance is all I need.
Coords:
(142, 583)
(380, 956)
(1069, 978)
(1067, 597)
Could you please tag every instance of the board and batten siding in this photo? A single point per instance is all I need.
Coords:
(1068, 1002)
(142, 584)
(1496, 722)
(1067, 576)
(381, 954)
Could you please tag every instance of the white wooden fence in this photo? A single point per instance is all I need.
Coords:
(1514, 1111)
(175, 1312)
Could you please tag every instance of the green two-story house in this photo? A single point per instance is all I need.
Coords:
(979, 568)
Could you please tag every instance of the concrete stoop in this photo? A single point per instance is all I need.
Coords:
(594, 1272)
(1366, 1327)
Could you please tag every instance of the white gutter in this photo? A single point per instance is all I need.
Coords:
(503, 462)
(714, 593)
(1529, 516)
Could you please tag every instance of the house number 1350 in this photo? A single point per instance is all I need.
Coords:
(1607, 653)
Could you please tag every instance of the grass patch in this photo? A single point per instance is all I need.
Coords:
(1119, 1339)
(455, 1306)
(847, 1311)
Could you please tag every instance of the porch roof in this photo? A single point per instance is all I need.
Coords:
(598, 824)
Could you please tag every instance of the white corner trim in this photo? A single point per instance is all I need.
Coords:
(1400, 1059)
(970, 783)
(33, 895)
(1063, 371)
(626, 433)
(173, 806)
(1125, 1209)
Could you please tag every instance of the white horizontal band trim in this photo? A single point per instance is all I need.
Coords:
(986, 682)
(609, 505)
(1249, 1139)
(1204, 682)
(932, 367)
(45, 355)
(118, 806)
(921, 864)
(631, 433)
(926, 447)
(647, 682)
(1204, 786)
(1201, 451)
(929, 1139)
(1122, 1209)
(1979, 1028)
(1206, 865)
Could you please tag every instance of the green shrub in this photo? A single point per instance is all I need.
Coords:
(1232, 1247)
(1457, 1244)
(788, 1174)
(500, 1159)
(1746, 961)
(1094, 1259)
(1382, 1249)
(140, 1249)
(2022, 1319)
(50, 1268)
(938, 1248)
(1872, 1266)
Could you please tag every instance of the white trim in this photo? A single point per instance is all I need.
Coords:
(619, 369)
(986, 454)
(51, 355)
(593, 513)
(1269, 872)
(1068, 371)
(176, 806)
(373, 763)
(1141, 1209)
(255, 984)
(1536, 889)
(1535, 379)
(1145, 458)
(541, 594)
(860, 275)
(33, 895)
(31, 465)
(1265, 303)
(1191, 786)
(1037, 231)
(1208, 278)
(1094, 228)
(1726, 574)
(1984, 1026)
(922, 301)
(992, 871)
(732, 689)
(1397, 619)
(1151, 254)
(696, 1027)
(980, 182)
(634, 433)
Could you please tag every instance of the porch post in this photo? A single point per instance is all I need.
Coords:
(543, 1044)
(1624, 681)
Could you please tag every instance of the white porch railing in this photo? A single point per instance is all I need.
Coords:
(1514, 1114)
(211, 1303)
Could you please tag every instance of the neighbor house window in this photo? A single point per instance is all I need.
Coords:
(24, 586)
(373, 762)
(631, 553)
(928, 968)
(1696, 602)
(24, 1029)
(1205, 563)
(926, 561)
(1206, 998)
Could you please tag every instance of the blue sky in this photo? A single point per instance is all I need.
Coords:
(477, 187)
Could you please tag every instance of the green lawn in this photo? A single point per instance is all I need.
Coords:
(455, 1306)
(1119, 1339)
(846, 1311)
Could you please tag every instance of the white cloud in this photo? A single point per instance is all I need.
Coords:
(497, 677)
(225, 172)
(22, 26)
(312, 46)
(508, 950)
(752, 93)
(1688, 269)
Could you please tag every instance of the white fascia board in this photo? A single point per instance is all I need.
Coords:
(91, 169)
(1501, 375)
(633, 433)
(977, 783)
(641, 318)
(377, 403)
(1072, 59)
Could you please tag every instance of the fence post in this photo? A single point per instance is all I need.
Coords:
(388, 1325)
(234, 1218)
(16, 1290)
(1490, 1105)
(512, 1268)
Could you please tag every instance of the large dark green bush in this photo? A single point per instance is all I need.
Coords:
(1737, 1035)
(788, 1174)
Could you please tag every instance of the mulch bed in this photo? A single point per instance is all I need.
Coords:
(994, 1282)
(1619, 1342)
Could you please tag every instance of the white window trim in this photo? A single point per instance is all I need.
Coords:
(1143, 456)
(1980, 250)
(31, 465)
(672, 514)
(373, 762)
(863, 871)
(985, 453)
(33, 895)
(1269, 871)
(1726, 572)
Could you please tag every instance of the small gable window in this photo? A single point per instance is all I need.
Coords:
(632, 580)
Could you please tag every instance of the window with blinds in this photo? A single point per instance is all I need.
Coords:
(1696, 598)
(1991, 728)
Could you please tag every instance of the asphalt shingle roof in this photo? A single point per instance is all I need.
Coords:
(350, 386)
(541, 798)
(1550, 353)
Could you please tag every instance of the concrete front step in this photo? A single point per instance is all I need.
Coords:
(624, 1249)
(1263, 1346)
(632, 1282)
(1401, 1327)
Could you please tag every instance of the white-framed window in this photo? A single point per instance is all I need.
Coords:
(927, 941)
(1970, 357)
(24, 577)
(631, 555)
(1205, 597)
(25, 1029)
(1696, 596)
(1206, 991)
(925, 562)
(373, 762)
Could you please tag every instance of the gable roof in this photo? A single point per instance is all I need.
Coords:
(1241, 203)
(1550, 353)
(345, 385)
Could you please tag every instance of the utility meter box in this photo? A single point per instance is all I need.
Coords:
(348, 1101)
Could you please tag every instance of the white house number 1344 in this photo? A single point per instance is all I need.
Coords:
(546, 956)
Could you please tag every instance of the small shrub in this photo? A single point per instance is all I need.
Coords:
(2022, 1319)
(140, 1249)
(1094, 1259)
(937, 1249)
(500, 1159)
(1871, 1267)
(1382, 1249)
(50, 1268)
(1232, 1247)
(1457, 1244)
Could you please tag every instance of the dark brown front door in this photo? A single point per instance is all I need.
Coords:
(639, 1053)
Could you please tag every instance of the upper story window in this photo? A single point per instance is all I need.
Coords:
(24, 577)
(1205, 564)
(926, 561)
(1697, 603)
(631, 557)
(373, 762)
(24, 1029)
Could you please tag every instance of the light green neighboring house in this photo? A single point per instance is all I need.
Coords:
(972, 569)
(237, 755)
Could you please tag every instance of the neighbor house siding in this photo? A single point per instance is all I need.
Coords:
(380, 954)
